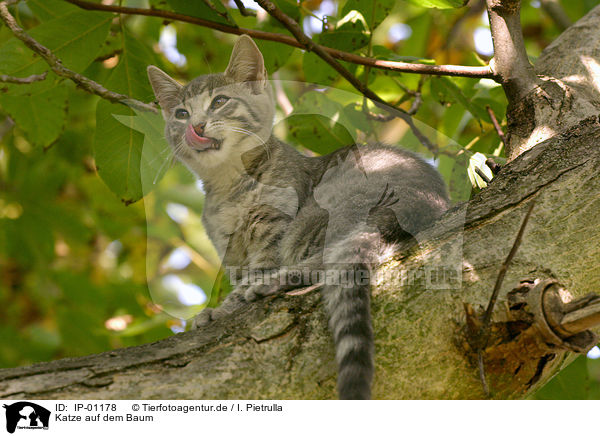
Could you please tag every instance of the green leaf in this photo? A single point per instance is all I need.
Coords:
(316, 70)
(350, 33)
(290, 7)
(40, 111)
(118, 152)
(75, 39)
(40, 108)
(490, 94)
(312, 124)
(447, 91)
(48, 9)
(315, 102)
(354, 114)
(117, 146)
(572, 383)
(201, 9)
(453, 170)
(416, 44)
(274, 54)
(155, 153)
(440, 4)
(318, 133)
(374, 11)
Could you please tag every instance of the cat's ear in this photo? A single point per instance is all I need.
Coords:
(247, 64)
(165, 88)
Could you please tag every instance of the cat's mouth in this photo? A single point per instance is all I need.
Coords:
(200, 143)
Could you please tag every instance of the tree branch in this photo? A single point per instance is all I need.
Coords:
(23, 80)
(510, 58)
(58, 68)
(245, 12)
(404, 67)
(496, 124)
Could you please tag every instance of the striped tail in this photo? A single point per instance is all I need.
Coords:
(348, 307)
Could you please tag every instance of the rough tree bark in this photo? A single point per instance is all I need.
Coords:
(280, 347)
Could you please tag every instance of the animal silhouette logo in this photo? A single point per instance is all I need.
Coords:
(26, 415)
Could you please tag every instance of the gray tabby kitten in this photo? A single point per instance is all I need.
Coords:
(271, 209)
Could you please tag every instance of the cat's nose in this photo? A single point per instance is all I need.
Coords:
(199, 129)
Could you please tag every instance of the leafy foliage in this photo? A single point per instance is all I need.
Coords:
(118, 144)
(87, 265)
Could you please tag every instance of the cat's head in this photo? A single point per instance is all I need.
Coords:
(214, 119)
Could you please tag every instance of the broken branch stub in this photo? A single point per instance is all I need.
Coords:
(532, 335)
(560, 321)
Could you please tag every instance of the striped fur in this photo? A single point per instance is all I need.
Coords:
(272, 210)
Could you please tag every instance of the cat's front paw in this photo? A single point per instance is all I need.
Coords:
(256, 292)
(203, 318)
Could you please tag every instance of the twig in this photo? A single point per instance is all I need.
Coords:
(245, 12)
(416, 95)
(438, 70)
(418, 100)
(483, 176)
(56, 66)
(481, 367)
(379, 117)
(492, 165)
(485, 323)
(212, 7)
(23, 80)
(488, 313)
(511, 62)
(496, 124)
(556, 12)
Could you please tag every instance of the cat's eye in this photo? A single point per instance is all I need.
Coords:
(218, 101)
(182, 114)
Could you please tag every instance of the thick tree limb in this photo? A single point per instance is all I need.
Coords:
(510, 58)
(405, 67)
(280, 347)
(58, 68)
(568, 88)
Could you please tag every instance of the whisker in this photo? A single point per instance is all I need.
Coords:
(248, 132)
(166, 163)
(160, 155)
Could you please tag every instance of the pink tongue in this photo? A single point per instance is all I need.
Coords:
(196, 141)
